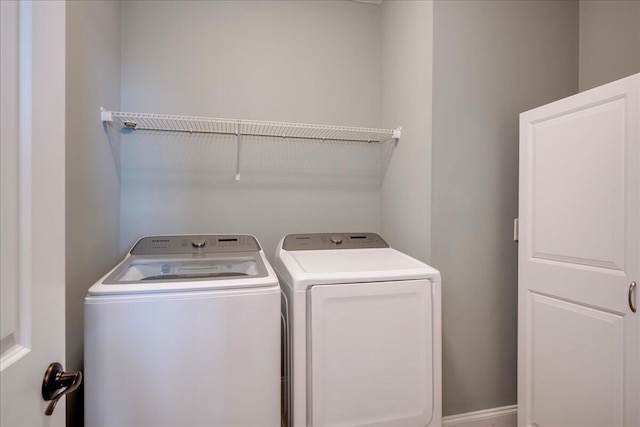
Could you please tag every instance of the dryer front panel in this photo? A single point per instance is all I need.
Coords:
(371, 348)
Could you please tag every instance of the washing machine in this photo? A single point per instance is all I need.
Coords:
(364, 332)
(185, 331)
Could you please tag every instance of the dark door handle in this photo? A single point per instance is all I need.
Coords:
(57, 383)
(632, 306)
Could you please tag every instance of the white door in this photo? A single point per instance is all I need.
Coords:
(372, 354)
(32, 126)
(578, 338)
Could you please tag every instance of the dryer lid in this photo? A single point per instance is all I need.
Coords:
(306, 268)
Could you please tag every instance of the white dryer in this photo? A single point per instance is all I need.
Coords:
(185, 331)
(364, 332)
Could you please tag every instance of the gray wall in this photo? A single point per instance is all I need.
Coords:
(492, 60)
(609, 41)
(351, 64)
(92, 185)
(407, 42)
(308, 62)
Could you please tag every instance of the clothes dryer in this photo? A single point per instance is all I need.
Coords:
(185, 331)
(364, 332)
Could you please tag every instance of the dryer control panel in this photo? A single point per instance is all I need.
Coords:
(320, 241)
(195, 244)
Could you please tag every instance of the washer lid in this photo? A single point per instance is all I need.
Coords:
(321, 267)
(189, 263)
(178, 269)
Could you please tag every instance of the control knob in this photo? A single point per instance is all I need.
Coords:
(336, 240)
(198, 243)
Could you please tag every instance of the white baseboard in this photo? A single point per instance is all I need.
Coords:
(505, 416)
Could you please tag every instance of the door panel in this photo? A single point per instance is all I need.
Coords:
(582, 371)
(371, 354)
(578, 339)
(38, 244)
(577, 176)
(10, 340)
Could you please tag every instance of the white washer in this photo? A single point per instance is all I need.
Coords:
(364, 332)
(185, 331)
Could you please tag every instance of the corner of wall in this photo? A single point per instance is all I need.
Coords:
(92, 183)
(407, 58)
(492, 61)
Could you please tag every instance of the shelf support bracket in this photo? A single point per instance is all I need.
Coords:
(238, 145)
(105, 115)
(396, 134)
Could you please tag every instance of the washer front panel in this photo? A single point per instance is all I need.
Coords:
(183, 359)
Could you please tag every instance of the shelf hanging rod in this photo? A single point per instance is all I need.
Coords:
(134, 126)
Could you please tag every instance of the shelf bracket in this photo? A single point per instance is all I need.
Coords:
(105, 115)
(238, 144)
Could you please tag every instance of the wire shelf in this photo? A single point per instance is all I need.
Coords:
(161, 122)
(342, 143)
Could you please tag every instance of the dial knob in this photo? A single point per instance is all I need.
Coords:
(198, 243)
(336, 239)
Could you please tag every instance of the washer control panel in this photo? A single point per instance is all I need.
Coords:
(320, 241)
(195, 244)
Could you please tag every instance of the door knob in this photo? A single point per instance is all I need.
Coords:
(632, 306)
(57, 383)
